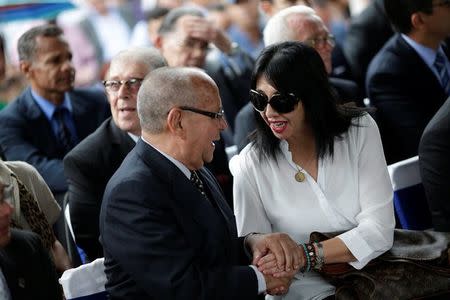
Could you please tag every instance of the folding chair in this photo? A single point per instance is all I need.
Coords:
(410, 203)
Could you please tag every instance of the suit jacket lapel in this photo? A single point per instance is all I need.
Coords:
(38, 121)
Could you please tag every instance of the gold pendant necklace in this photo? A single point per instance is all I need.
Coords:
(299, 176)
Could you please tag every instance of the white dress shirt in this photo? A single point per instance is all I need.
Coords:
(353, 192)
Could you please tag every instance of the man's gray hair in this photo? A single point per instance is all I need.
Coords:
(162, 90)
(26, 46)
(277, 28)
(148, 56)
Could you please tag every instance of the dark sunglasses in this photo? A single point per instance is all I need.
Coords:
(282, 103)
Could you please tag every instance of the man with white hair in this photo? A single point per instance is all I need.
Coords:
(297, 23)
(91, 163)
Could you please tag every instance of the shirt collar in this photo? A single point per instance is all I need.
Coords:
(177, 163)
(134, 137)
(49, 108)
(427, 54)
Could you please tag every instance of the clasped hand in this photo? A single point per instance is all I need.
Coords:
(278, 257)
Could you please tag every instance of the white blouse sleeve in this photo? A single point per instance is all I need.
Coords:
(248, 207)
(375, 230)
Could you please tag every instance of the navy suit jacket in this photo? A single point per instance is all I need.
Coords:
(163, 240)
(26, 133)
(406, 94)
(434, 160)
(28, 269)
(88, 168)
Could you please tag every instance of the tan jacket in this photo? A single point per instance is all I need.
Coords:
(34, 183)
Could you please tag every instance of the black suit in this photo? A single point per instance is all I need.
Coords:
(26, 133)
(347, 91)
(163, 240)
(88, 168)
(366, 35)
(434, 159)
(28, 269)
(406, 94)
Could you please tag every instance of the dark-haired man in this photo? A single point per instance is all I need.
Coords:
(408, 80)
(50, 117)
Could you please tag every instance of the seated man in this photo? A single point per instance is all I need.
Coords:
(166, 229)
(91, 163)
(26, 270)
(434, 160)
(50, 117)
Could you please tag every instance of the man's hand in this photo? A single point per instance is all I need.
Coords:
(279, 285)
(268, 266)
(288, 255)
(202, 29)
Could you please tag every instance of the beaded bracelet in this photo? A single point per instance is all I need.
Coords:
(312, 254)
(307, 266)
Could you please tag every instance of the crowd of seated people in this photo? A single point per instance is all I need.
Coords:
(155, 127)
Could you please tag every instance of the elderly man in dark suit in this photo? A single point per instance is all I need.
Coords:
(434, 160)
(50, 117)
(297, 23)
(407, 81)
(166, 229)
(26, 270)
(91, 163)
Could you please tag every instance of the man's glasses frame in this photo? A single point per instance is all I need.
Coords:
(213, 115)
(282, 103)
(320, 42)
(114, 85)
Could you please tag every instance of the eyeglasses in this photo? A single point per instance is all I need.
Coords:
(218, 115)
(322, 42)
(442, 3)
(112, 86)
(282, 103)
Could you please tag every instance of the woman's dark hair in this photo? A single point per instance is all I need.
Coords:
(293, 67)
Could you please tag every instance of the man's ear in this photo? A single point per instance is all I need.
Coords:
(417, 20)
(174, 122)
(158, 42)
(25, 67)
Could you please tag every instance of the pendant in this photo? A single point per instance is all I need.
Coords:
(299, 176)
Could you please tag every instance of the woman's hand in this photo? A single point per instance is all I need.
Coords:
(288, 256)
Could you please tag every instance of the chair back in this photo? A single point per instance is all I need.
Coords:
(86, 282)
(410, 203)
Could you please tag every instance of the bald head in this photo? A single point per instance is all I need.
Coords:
(176, 87)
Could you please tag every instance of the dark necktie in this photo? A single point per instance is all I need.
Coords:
(198, 183)
(34, 216)
(441, 68)
(64, 135)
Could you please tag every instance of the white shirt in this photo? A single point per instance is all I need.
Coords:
(353, 192)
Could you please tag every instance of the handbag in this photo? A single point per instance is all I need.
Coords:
(416, 267)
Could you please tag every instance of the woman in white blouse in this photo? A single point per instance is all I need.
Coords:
(312, 166)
